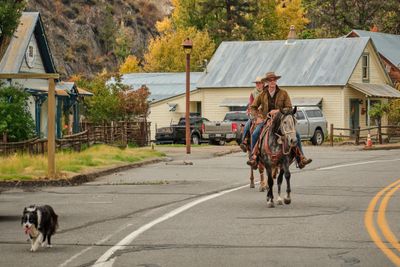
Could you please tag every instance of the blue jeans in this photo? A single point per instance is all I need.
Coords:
(246, 129)
(257, 132)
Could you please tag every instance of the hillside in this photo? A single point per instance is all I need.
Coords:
(86, 36)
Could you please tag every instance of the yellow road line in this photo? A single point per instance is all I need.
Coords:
(369, 224)
(382, 222)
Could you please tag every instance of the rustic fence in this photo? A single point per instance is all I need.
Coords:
(380, 133)
(115, 133)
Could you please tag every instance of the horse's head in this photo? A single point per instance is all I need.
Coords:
(286, 126)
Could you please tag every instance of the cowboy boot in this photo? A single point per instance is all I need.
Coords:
(243, 145)
(302, 161)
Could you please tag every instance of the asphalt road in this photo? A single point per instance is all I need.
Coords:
(175, 214)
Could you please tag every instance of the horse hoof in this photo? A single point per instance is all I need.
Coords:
(270, 204)
(287, 201)
(252, 185)
(279, 201)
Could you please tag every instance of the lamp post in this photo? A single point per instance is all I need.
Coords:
(187, 47)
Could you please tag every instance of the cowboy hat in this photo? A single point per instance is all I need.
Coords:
(258, 79)
(270, 75)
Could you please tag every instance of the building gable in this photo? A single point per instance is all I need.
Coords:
(29, 31)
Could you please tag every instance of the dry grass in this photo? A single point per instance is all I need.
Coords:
(25, 167)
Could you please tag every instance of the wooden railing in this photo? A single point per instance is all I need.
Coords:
(359, 135)
(117, 133)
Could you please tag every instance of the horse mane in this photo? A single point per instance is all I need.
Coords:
(276, 121)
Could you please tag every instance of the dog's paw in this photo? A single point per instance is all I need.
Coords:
(49, 246)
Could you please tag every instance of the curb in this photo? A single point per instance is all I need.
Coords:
(381, 147)
(77, 179)
(223, 153)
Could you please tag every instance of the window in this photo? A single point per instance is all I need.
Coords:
(300, 115)
(316, 113)
(365, 68)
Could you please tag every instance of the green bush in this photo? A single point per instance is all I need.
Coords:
(15, 119)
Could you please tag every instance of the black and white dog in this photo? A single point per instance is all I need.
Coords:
(40, 223)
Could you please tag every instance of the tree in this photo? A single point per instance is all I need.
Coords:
(165, 52)
(123, 42)
(378, 110)
(103, 106)
(335, 18)
(10, 13)
(130, 65)
(290, 13)
(107, 29)
(134, 103)
(16, 122)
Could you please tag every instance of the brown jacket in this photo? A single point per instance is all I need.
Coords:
(281, 97)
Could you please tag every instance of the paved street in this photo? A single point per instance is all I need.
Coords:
(175, 214)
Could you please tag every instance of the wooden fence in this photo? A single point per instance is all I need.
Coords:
(115, 133)
(387, 133)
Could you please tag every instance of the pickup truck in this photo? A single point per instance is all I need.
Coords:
(219, 132)
(176, 133)
(311, 124)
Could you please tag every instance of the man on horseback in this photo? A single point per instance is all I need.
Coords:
(272, 98)
(259, 88)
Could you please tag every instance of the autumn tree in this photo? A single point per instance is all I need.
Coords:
(131, 64)
(290, 12)
(134, 103)
(165, 52)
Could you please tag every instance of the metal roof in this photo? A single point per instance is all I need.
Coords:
(162, 85)
(376, 90)
(30, 23)
(306, 101)
(312, 62)
(388, 45)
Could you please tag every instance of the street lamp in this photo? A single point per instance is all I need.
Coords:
(187, 47)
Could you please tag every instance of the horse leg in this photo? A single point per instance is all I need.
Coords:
(280, 179)
(251, 178)
(270, 195)
(287, 199)
(263, 184)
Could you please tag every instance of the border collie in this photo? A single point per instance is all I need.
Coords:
(40, 223)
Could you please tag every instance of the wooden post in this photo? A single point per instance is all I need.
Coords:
(51, 137)
(331, 134)
(380, 132)
(358, 135)
(4, 137)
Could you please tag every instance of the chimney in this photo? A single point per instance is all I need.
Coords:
(292, 33)
(291, 36)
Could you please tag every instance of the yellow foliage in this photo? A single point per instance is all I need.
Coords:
(290, 12)
(165, 53)
(130, 65)
(164, 26)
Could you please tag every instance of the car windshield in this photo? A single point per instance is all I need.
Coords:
(239, 116)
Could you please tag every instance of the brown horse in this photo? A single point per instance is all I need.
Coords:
(278, 146)
(260, 165)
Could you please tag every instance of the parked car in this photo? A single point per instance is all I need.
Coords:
(219, 132)
(176, 133)
(311, 124)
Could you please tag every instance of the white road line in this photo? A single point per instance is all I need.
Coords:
(104, 260)
(65, 263)
(355, 164)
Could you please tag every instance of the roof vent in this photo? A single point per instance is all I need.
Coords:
(291, 39)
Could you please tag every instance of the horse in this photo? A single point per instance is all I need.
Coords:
(278, 151)
(260, 166)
